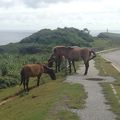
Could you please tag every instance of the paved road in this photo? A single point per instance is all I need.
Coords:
(95, 109)
(114, 57)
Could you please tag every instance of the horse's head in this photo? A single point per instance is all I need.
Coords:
(50, 72)
(50, 62)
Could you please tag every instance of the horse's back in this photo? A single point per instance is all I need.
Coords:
(59, 51)
(74, 53)
(79, 53)
(33, 69)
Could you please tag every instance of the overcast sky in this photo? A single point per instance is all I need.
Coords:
(39, 14)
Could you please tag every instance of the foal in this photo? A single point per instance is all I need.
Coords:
(35, 70)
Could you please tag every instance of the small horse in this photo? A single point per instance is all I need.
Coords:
(72, 54)
(35, 70)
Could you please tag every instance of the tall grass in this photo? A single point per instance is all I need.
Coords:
(11, 64)
(106, 69)
(46, 102)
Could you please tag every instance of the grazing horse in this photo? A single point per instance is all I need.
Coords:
(73, 54)
(57, 56)
(34, 70)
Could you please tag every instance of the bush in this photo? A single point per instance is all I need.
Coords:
(30, 50)
(8, 82)
(4, 70)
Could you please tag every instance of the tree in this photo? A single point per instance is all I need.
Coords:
(86, 30)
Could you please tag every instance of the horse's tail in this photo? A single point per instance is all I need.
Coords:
(92, 54)
(22, 76)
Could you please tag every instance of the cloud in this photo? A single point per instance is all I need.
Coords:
(38, 14)
(30, 3)
(36, 3)
(5, 4)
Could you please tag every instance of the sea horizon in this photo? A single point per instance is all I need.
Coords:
(13, 36)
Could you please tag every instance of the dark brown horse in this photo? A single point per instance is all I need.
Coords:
(57, 56)
(73, 54)
(35, 70)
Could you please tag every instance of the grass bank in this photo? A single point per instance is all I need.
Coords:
(46, 102)
(106, 69)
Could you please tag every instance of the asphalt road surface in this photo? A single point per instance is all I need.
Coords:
(114, 57)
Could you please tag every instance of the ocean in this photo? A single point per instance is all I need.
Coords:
(7, 37)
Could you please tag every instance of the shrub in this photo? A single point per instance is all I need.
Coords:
(4, 70)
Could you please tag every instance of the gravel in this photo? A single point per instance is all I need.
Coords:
(95, 109)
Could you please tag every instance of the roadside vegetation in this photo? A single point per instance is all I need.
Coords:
(52, 100)
(106, 69)
(114, 39)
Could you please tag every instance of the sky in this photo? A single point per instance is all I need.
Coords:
(40, 14)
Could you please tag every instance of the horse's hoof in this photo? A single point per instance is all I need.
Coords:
(85, 73)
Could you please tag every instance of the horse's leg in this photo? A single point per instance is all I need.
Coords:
(27, 82)
(24, 85)
(69, 66)
(86, 67)
(65, 66)
(59, 63)
(58, 60)
(73, 62)
(56, 66)
(38, 80)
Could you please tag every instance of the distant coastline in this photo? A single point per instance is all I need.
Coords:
(96, 32)
(12, 36)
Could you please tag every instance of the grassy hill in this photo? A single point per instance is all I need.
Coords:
(106, 40)
(45, 39)
(112, 36)
(67, 36)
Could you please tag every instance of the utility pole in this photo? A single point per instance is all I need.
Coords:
(107, 30)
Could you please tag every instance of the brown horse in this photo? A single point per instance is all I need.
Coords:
(57, 56)
(35, 70)
(78, 53)
(73, 54)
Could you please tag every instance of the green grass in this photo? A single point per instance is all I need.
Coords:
(42, 101)
(104, 43)
(64, 115)
(106, 69)
(111, 98)
(101, 43)
(12, 64)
